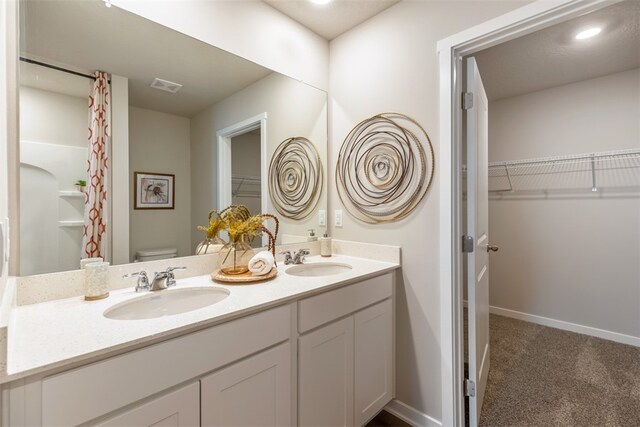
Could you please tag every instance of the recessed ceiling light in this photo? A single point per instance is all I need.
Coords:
(588, 33)
(321, 2)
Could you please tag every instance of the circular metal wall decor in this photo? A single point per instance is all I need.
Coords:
(295, 178)
(383, 170)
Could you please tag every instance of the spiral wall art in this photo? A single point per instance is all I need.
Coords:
(383, 169)
(295, 178)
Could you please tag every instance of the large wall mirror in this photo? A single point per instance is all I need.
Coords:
(170, 138)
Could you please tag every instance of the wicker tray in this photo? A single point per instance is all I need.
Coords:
(247, 277)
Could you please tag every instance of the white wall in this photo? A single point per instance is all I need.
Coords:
(160, 142)
(250, 29)
(389, 63)
(293, 109)
(53, 118)
(8, 121)
(571, 257)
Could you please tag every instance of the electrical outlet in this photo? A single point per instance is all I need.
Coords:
(322, 218)
(337, 218)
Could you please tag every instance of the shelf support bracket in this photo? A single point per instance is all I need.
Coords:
(506, 169)
(594, 187)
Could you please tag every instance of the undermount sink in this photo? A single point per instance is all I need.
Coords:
(166, 303)
(317, 269)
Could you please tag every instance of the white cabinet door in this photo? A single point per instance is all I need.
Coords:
(325, 376)
(180, 408)
(253, 392)
(373, 360)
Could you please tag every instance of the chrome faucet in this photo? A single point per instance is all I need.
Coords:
(161, 280)
(164, 279)
(297, 258)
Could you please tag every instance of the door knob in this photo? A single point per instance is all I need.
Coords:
(492, 248)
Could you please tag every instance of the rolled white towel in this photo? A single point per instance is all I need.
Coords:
(261, 263)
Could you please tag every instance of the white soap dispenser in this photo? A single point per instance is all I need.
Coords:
(325, 245)
(312, 236)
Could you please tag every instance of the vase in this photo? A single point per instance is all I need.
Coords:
(235, 256)
(210, 245)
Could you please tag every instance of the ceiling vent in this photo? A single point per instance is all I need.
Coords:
(165, 85)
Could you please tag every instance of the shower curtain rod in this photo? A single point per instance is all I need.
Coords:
(54, 67)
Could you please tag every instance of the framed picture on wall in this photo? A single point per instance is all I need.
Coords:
(154, 190)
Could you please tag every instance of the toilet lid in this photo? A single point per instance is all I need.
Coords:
(156, 252)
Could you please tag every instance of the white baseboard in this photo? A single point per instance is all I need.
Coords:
(567, 326)
(410, 415)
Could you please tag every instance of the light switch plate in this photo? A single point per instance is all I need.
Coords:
(322, 218)
(337, 218)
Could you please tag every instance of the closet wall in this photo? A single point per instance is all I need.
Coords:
(570, 256)
(246, 170)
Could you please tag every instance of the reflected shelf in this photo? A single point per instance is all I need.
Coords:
(71, 193)
(71, 223)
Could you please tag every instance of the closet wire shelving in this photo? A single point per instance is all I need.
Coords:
(246, 186)
(611, 169)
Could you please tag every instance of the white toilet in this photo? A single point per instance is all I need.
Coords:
(155, 254)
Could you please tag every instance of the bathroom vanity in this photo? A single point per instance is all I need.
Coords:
(297, 350)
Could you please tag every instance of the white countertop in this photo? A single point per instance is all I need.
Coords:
(67, 332)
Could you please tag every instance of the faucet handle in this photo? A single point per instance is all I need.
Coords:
(288, 258)
(136, 274)
(303, 252)
(143, 280)
(171, 279)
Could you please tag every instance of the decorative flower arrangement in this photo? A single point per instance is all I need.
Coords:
(242, 228)
(212, 243)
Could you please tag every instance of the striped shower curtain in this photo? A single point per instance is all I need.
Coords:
(96, 208)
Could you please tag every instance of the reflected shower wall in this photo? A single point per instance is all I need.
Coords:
(53, 156)
(47, 176)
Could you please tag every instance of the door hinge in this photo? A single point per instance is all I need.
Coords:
(467, 244)
(467, 100)
(469, 388)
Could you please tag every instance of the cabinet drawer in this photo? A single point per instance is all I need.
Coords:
(102, 387)
(323, 308)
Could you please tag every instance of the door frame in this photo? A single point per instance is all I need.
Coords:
(223, 139)
(527, 19)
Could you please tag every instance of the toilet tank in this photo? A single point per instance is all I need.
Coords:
(154, 254)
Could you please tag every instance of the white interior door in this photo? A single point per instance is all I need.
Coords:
(477, 111)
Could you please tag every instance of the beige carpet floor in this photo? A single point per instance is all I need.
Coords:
(546, 377)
